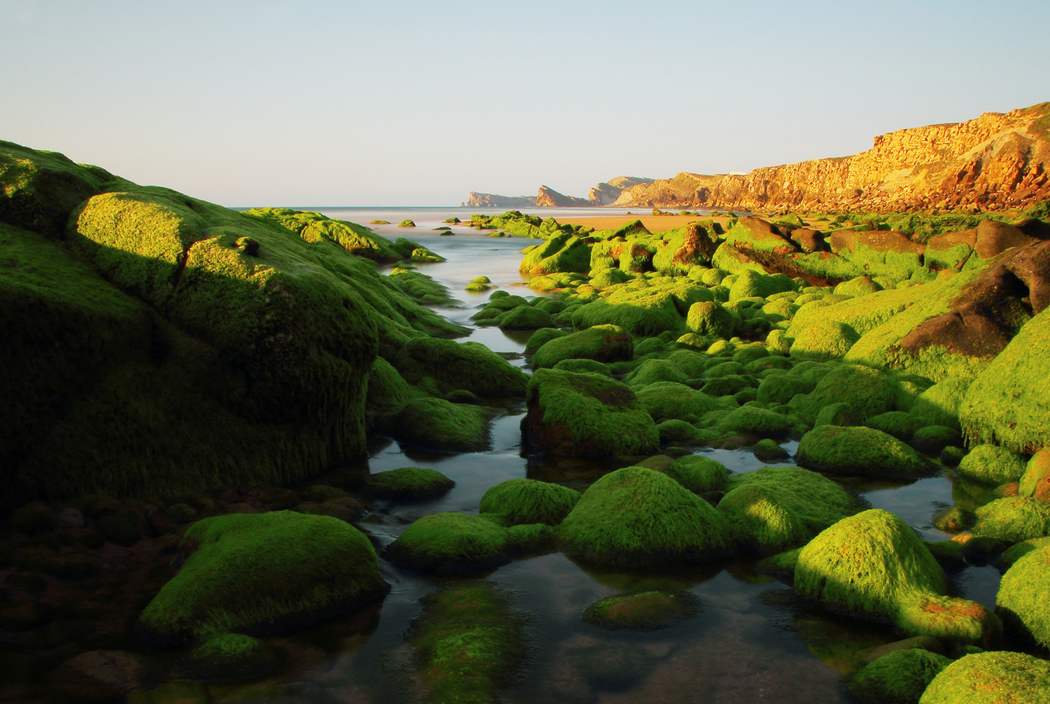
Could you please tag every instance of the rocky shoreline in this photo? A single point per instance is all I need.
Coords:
(179, 374)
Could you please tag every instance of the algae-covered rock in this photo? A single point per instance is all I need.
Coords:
(528, 501)
(826, 339)
(699, 474)
(869, 392)
(1036, 478)
(467, 644)
(525, 318)
(451, 543)
(262, 573)
(899, 677)
(862, 452)
(635, 517)
(932, 439)
(1022, 603)
(602, 343)
(756, 421)
(642, 611)
(873, 565)
(231, 656)
(653, 370)
(644, 312)
(1008, 403)
(1013, 519)
(774, 509)
(315, 227)
(442, 425)
(667, 400)
(991, 678)
(991, 465)
(769, 450)
(586, 415)
(781, 388)
(459, 365)
(710, 318)
(409, 483)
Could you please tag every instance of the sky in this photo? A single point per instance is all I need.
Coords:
(401, 103)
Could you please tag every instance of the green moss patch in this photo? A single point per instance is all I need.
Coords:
(451, 543)
(1013, 519)
(528, 501)
(862, 452)
(1021, 602)
(991, 678)
(897, 678)
(602, 343)
(642, 611)
(442, 425)
(409, 483)
(991, 465)
(459, 365)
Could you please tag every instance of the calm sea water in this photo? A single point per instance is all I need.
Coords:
(749, 644)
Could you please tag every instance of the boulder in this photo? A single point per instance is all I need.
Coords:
(1021, 602)
(899, 677)
(1036, 478)
(451, 543)
(459, 365)
(601, 343)
(1013, 519)
(529, 501)
(984, 678)
(409, 483)
(642, 611)
(991, 465)
(861, 451)
(586, 415)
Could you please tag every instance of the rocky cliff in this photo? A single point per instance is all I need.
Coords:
(550, 198)
(994, 162)
(491, 200)
(605, 193)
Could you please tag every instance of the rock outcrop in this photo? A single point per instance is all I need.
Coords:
(550, 198)
(491, 200)
(993, 162)
(606, 192)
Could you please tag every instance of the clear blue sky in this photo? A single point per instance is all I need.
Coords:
(417, 103)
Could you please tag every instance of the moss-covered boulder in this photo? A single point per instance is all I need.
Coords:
(991, 678)
(586, 415)
(409, 484)
(872, 565)
(653, 370)
(451, 543)
(602, 343)
(1008, 403)
(711, 319)
(642, 611)
(868, 391)
(458, 365)
(781, 388)
(258, 573)
(1013, 519)
(643, 312)
(525, 318)
(315, 227)
(755, 421)
(775, 509)
(438, 424)
(1036, 478)
(861, 451)
(529, 501)
(667, 400)
(932, 439)
(699, 474)
(899, 677)
(1022, 603)
(826, 339)
(991, 465)
(467, 644)
(635, 517)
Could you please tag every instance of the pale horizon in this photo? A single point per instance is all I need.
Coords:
(409, 104)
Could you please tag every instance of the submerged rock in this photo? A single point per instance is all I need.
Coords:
(642, 611)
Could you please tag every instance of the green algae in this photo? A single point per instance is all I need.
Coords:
(635, 517)
(467, 643)
(315, 565)
(529, 501)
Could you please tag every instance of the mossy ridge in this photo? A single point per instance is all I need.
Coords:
(1021, 601)
(39, 189)
(586, 415)
(528, 501)
(635, 517)
(467, 643)
(1008, 403)
(451, 543)
(421, 287)
(315, 565)
(991, 678)
(315, 227)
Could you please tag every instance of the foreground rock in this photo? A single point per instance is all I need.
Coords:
(991, 678)
(264, 573)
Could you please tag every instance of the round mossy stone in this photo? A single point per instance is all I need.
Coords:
(781, 388)
(1013, 519)
(899, 424)
(603, 343)
(579, 366)
(756, 421)
(451, 543)
(264, 572)
(635, 517)
(709, 318)
(954, 520)
(840, 414)
(442, 425)
(868, 391)
(991, 465)
(1019, 550)
(699, 474)
(861, 452)
(991, 678)
(768, 450)
(409, 483)
(899, 677)
(776, 508)
(665, 400)
(859, 286)
(653, 370)
(826, 339)
(642, 611)
(525, 318)
(1036, 478)
(934, 438)
(677, 432)
(1022, 602)
(523, 501)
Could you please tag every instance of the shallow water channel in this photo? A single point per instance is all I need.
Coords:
(751, 642)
